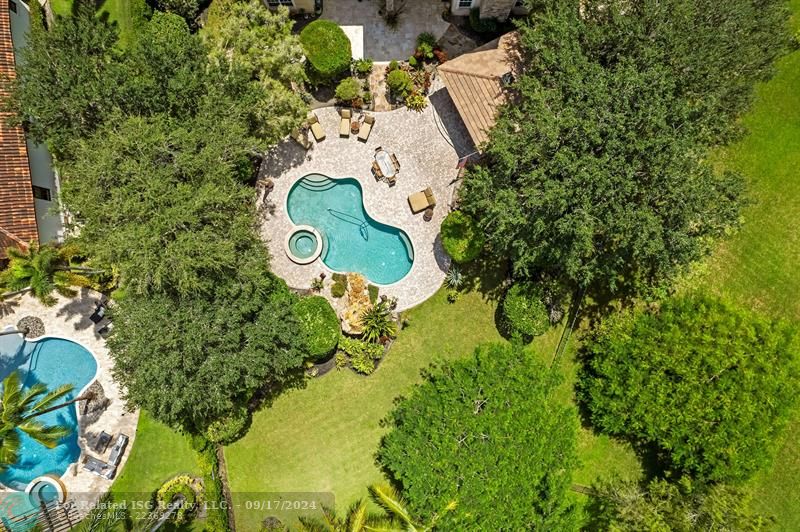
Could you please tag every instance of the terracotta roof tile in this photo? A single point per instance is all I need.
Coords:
(17, 214)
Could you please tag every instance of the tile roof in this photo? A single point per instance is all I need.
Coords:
(17, 214)
(474, 81)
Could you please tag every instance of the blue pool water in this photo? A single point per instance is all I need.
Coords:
(354, 242)
(54, 362)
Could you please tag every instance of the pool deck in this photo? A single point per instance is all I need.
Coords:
(427, 145)
(69, 319)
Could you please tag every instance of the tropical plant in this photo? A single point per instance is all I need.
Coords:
(416, 102)
(427, 39)
(327, 49)
(524, 310)
(454, 278)
(184, 486)
(106, 516)
(377, 323)
(362, 354)
(462, 239)
(708, 385)
(320, 325)
(399, 82)
(469, 427)
(362, 67)
(41, 270)
(18, 409)
(348, 90)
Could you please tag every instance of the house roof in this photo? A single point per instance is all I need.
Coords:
(474, 81)
(17, 214)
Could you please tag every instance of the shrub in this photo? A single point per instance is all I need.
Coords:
(183, 485)
(338, 289)
(348, 90)
(340, 278)
(327, 49)
(320, 325)
(441, 56)
(481, 25)
(362, 66)
(229, 428)
(341, 359)
(425, 51)
(362, 354)
(412, 62)
(461, 237)
(377, 323)
(393, 65)
(426, 39)
(524, 311)
(454, 278)
(399, 82)
(373, 293)
(416, 102)
(367, 97)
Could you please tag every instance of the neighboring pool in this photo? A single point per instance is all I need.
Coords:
(355, 242)
(53, 361)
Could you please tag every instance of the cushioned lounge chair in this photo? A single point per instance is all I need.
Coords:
(344, 124)
(421, 200)
(366, 128)
(376, 171)
(99, 468)
(119, 447)
(300, 135)
(316, 127)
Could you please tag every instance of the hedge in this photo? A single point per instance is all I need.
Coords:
(461, 237)
(524, 310)
(320, 324)
(327, 49)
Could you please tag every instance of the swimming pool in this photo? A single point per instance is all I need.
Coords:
(354, 241)
(53, 361)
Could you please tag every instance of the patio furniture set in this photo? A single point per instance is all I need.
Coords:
(99, 467)
(349, 124)
(385, 166)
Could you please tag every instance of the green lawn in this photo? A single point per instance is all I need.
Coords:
(323, 438)
(759, 265)
(126, 14)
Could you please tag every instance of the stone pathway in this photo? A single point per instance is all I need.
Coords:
(382, 43)
(427, 158)
(455, 43)
(69, 319)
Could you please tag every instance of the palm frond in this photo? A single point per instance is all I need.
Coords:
(9, 449)
(387, 498)
(49, 436)
(356, 516)
(51, 397)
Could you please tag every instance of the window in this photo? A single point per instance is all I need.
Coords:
(41, 193)
(12, 6)
(276, 3)
(464, 4)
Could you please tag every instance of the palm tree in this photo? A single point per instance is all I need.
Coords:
(18, 408)
(393, 504)
(41, 270)
(377, 323)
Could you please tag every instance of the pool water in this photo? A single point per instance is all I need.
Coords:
(53, 361)
(355, 242)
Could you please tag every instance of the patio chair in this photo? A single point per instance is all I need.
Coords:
(119, 447)
(300, 135)
(376, 171)
(99, 312)
(395, 162)
(419, 201)
(366, 128)
(344, 124)
(101, 444)
(99, 468)
(316, 127)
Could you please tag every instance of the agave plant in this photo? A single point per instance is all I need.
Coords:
(454, 278)
(377, 323)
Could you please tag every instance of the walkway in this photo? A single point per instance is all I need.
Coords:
(427, 158)
(382, 43)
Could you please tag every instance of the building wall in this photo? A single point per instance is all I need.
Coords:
(499, 9)
(43, 175)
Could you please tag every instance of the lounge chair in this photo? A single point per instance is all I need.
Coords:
(395, 162)
(376, 171)
(419, 201)
(101, 444)
(316, 127)
(99, 312)
(344, 124)
(99, 468)
(301, 136)
(119, 448)
(366, 128)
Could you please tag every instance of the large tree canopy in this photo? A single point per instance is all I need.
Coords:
(710, 385)
(596, 174)
(488, 434)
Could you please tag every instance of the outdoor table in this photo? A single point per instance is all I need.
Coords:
(385, 163)
(354, 127)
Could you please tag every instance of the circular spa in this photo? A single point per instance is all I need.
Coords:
(304, 244)
(45, 490)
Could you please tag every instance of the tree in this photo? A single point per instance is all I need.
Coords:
(193, 360)
(597, 176)
(64, 89)
(188, 9)
(162, 200)
(259, 61)
(41, 271)
(17, 410)
(524, 310)
(488, 434)
(682, 506)
(709, 385)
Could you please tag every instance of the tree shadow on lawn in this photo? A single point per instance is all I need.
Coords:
(486, 275)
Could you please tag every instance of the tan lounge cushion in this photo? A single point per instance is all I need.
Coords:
(366, 129)
(429, 197)
(418, 202)
(316, 127)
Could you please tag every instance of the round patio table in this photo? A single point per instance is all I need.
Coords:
(354, 126)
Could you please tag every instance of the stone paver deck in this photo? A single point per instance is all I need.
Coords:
(382, 43)
(69, 319)
(427, 159)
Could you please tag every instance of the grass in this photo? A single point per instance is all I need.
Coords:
(126, 14)
(758, 266)
(323, 438)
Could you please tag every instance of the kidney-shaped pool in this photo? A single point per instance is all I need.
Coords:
(353, 242)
